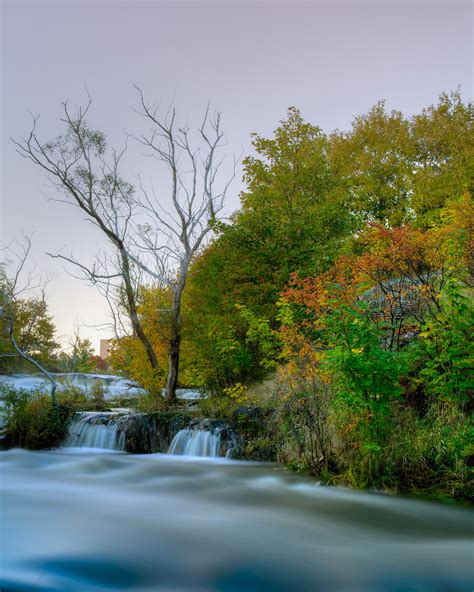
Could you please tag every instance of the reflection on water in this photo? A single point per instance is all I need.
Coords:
(74, 521)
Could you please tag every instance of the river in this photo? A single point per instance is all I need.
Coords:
(80, 520)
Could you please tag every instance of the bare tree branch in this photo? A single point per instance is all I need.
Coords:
(151, 237)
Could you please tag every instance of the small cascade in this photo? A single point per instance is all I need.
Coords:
(96, 430)
(137, 433)
(197, 442)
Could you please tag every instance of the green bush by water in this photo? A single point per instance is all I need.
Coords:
(32, 420)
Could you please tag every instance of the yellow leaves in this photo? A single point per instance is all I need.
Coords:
(236, 392)
(325, 377)
(355, 350)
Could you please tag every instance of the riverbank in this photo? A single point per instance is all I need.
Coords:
(147, 425)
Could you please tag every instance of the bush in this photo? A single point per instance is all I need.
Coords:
(32, 420)
(149, 403)
(306, 432)
(433, 453)
(218, 406)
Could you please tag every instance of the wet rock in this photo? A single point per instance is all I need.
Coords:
(247, 436)
(152, 432)
(254, 427)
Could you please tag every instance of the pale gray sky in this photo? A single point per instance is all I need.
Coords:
(333, 60)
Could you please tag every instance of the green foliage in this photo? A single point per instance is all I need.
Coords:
(292, 216)
(81, 358)
(373, 162)
(218, 406)
(34, 332)
(393, 169)
(260, 337)
(291, 219)
(365, 375)
(443, 138)
(31, 420)
(446, 347)
(224, 347)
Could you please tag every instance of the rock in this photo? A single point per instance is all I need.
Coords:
(152, 432)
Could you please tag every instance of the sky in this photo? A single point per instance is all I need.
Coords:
(250, 59)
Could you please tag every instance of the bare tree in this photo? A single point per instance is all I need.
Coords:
(78, 165)
(154, 236)
(12, 288)
(174, 234)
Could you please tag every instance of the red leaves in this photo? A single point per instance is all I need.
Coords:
(397, 272)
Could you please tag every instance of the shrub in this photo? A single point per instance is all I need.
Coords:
(31, 420)
(306, 432)
(218, 406)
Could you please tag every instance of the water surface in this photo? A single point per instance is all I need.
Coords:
(79, 520)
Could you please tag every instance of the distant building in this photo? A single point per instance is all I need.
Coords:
(104, 348)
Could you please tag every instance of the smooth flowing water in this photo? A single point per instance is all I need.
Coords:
(75, 521)
(196, 442)
(95, 430)
(112, 386)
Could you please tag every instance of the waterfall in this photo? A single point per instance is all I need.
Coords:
(196, 442)
(136, 433)
(96, 430)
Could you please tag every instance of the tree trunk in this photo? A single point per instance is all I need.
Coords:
(173, 365)
(132, 308)
(174, 347)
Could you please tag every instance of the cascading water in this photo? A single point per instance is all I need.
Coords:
(108, 431)
(96, 430)
(196, 442)
(112, 386)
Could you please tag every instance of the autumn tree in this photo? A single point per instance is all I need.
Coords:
(395, 169)
(373, 162)
(400, 302)
(291, 220)
(443, 137)
(127, 354)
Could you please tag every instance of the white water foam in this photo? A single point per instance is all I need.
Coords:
(95, 430)
(112, 386)
(196, 442)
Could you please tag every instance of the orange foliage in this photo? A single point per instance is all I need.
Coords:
(395, 274)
